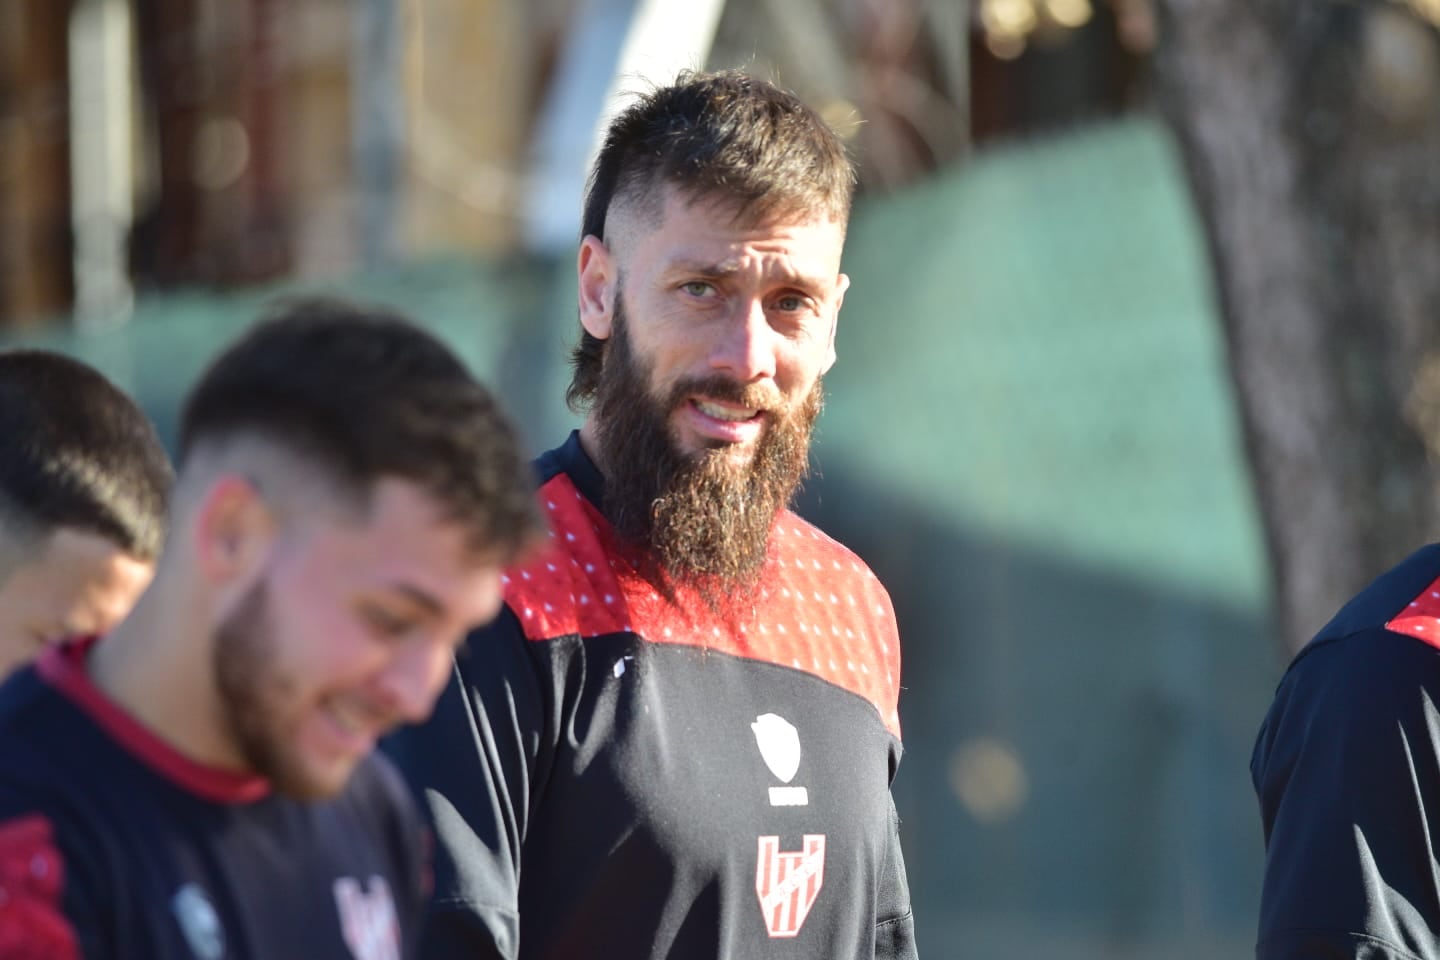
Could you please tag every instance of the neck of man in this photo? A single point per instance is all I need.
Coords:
(590, 442)
(155, 665)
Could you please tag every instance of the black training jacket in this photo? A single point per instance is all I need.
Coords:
(1348, 774)
(613, 774)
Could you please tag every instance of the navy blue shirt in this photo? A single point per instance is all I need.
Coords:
(114, 845)
(1347, 769)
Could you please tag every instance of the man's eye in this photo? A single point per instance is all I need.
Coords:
(698, 288)
(790, 303)
(387, 624)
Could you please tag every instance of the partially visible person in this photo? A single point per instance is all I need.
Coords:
(1347, 769)
(200, 783)
(84, 481)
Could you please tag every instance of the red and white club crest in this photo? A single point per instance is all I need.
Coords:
(367, 919)
(787, 882)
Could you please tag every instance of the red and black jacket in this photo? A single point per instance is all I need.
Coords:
(613, 773)
(1347, 768)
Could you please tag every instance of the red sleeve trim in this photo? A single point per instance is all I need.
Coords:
(1421, 617)
(33, 925)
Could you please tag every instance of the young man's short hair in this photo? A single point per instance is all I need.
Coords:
(360, 393)
(76, 452)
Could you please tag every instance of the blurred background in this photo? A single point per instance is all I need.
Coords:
(1139, 375)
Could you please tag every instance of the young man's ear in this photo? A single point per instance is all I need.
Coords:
(840, 287)
(233, 530)
(596, 268)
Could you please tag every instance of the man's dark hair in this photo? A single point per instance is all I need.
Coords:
(725, 136)
(75, 451)
(363, 394)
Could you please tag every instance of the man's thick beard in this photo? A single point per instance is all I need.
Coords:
(700, 519)
(252, 693)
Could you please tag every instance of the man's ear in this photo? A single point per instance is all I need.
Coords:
(841, 286)
(233, 530)
(598, 275)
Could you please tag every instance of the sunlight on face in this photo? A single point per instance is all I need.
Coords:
(77, 584)
(744, 311)
(350, 632)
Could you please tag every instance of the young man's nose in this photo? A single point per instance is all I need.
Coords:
(413, 681)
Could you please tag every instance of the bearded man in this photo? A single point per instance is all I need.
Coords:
(678, 738)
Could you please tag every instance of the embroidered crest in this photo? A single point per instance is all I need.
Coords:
(787, 882)
(367, 919)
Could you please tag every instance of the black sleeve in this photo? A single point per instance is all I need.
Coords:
(894, 922)
(473, 766)
(46, 894)
(1348, 778)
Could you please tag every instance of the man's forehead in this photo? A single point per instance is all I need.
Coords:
(88, 580)
(765, 214)
(640, 211)
(79, 546)
(803, 252)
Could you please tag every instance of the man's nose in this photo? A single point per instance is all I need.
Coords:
(413, 681)
(746, 350)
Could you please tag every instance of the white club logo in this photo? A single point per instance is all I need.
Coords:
(779, 744)
(199, 922)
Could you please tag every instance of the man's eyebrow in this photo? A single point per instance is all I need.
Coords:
(419, 597)
(706, 268)
(729, 267)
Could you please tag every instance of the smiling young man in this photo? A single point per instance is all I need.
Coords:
(200, 783)
(678, 738)
(83, 488)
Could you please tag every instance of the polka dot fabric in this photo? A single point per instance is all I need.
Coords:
(819, 609)
(1421, 617)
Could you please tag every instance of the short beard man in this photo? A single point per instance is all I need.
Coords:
(257, 697)
(699, 519)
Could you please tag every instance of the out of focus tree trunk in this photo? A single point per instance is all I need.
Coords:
(1310, 130)
(213, 74)
(35, 248)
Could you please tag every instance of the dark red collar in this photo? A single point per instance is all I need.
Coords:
(63, 667)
